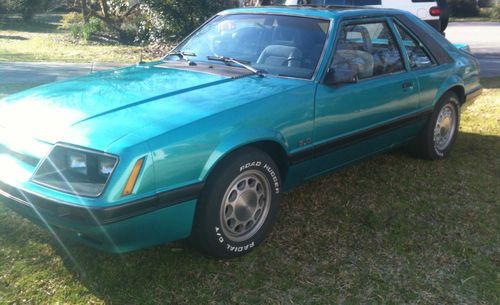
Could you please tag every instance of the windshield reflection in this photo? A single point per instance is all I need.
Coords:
(280, 45)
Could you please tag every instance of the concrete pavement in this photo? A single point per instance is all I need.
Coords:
(45, 72)
(484, 41)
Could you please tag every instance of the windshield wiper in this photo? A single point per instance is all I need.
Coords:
(183, 55)
(227, 60)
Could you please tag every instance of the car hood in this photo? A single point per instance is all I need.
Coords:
(100, 108)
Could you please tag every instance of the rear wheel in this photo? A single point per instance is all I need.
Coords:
(438, 136)
(445, 14)
(239, 205)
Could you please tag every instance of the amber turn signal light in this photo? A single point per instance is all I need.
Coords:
(132, 179)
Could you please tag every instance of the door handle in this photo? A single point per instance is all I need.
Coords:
(407, 86)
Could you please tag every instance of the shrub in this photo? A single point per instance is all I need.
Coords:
(27, 8)
(90, 28)
(176, 18)
(75, 30)
(464, 8)
(495, 12)
(129, 31)
(486, 3)
(70, 19)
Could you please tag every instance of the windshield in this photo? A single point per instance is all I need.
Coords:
(275, 44)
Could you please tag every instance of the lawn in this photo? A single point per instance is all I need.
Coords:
(485, 14)
(390, 230)
(41, 40)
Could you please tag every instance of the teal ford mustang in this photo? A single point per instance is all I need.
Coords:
(203, 143)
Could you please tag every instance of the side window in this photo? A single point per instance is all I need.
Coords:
(369, 49)
(417, 55)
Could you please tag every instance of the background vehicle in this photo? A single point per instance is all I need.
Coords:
(434, 12)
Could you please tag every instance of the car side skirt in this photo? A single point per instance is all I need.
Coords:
(331, 146)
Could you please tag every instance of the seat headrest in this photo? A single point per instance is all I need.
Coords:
(281, 51)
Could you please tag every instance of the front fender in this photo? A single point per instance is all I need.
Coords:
(238, 140)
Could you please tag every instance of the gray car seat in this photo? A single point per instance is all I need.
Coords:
(362, 60)
(279, 55)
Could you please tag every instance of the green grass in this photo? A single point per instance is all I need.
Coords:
(41, 40)
(485, 14)
(390, 230)
(473, 19)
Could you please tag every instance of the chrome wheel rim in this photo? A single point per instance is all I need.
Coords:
(445, 127)
(245, 205)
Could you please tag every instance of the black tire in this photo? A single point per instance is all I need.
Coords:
(217, 239)
(425, 146)
(444, 18)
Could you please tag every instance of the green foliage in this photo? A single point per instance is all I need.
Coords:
(27, 8)
(173, 19)
(85, 31)
(486, 3)
(129, 30)
(90, 28)
(74, 29)
(463, 8)
(70, 19)
(495, 12)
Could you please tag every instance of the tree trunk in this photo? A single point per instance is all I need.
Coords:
(104, 8)
(85, 11)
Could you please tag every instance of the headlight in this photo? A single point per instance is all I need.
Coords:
(76, 171)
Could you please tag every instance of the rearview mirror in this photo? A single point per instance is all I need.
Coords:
(341, 75)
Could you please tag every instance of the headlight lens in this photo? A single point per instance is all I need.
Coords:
(76, 171)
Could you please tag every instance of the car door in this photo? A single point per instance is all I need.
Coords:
(423, 64)
(357, 118)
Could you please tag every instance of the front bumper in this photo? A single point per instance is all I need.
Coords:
(126, 227)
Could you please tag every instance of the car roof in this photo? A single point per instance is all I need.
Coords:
(326, 12)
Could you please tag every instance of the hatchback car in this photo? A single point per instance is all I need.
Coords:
(203, 143)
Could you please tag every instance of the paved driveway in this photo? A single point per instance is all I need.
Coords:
(484, 40)
(45, 72)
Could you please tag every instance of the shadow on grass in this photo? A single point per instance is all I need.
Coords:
(13, 37)
(33, 27)
(393, 224)
(490, 82)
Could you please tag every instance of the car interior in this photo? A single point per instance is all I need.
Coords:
(370, 48)
(280, 45)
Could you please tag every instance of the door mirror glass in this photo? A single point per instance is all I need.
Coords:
(341, 74)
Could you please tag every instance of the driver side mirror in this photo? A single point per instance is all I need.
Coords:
(341, 74)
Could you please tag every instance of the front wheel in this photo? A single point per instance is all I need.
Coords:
(239, 204)
(438, 136)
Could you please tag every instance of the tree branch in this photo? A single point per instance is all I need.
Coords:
(131, 10)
